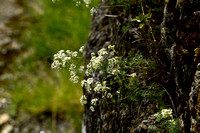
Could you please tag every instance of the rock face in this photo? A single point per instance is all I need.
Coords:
(175, 47)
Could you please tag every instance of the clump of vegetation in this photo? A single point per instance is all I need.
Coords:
(164, 122)
(127, 74)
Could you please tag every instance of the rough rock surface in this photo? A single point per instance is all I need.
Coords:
(177, 55)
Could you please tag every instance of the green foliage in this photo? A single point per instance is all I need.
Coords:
(143, 19)
(133, 73)
(56, 27)
(164, 122)
(125, 4)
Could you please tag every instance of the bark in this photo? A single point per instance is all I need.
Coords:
(177, 58)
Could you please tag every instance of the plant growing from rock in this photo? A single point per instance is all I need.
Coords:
(114, 71)
(165, 122)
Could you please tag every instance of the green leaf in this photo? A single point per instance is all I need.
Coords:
(136, 19)
(141, 26)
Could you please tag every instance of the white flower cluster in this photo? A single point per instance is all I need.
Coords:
(118, 91)
(172, 121)
(114, 71)
(108, 95)
(95, 61)
(93, 103)
(71, 53)
(81, 69)
(88, 84)
(73, 77)
(97, 88)
(133, 75)
(93, 10)
(60, 59)
(113, 61)
(165, 113)
(87, 2)
(92, 108)
(83, 100)
(81, 49)
(63, 57)
(78, 3)
(112, 47)
(167, 118)
(102, 88)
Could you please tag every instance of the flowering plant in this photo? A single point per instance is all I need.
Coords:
(103, 65)
(88, 4)
(165, 121)
(65, 58)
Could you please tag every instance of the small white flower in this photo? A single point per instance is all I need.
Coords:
(92, 108)
(74, 78)
(118, 92)
(133, 75)
(94, 101)
(114, 71)
(102, 52)
(156, 114)
(93, 54)
(69, 53)
(72, 67)
(166, 113)
(98, 87)
(87, 1)
(56, 64)
(88, 72)
(81, 49)
(112, 47)
(172, 121)
(113, 61)
(93, 10)
(83, 82)
(88, 88)
(83, 100)
(104, 83)
(109, 95)
(152, 127)
(74, 54)
(89, 81)
(67, 58)
(78, 3)
(81, 69)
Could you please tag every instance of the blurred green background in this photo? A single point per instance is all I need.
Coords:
(36, 89)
